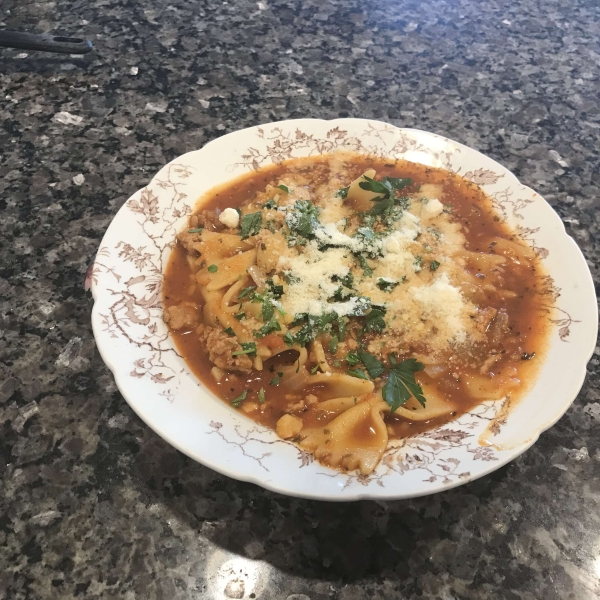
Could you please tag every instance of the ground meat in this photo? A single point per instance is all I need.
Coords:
(187, 240)
(220, 347)
(209, 219)
(181, 316)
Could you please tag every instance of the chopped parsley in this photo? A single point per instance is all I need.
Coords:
(364, 265)
(401, 384)
(268, 327)
(314, 369)
(270, 204)
(385, 284)
(195, 230)
(251, 224)
(374, 321)
(284, 188)
(288, 339)
(333, 344)
(302, 221)
(267, 299)
(374, 366)
(229, 331)
(352, 358)
(342, 294)
(276, 379)
(237, 402)
(433, 265)
(358, 373)
(347, 280)
(345, 291)
(386, 188)
(213, 269)
(267, 310)
(239, 316)
(417, 263)
(246, 292)
(261, 396)
(342, 192)
(248, 348)
(276, 290)
(313, 325)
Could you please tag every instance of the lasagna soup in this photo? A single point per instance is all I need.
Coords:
(346, 301)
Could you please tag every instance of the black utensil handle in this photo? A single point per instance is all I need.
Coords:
(45, 43)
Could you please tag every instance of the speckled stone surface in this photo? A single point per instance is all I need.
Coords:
(93, 504)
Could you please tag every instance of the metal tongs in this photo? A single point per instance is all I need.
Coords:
(43, 42)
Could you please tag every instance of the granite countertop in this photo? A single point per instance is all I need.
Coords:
(93, 504)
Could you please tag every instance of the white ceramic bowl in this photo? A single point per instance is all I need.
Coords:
(135, 343)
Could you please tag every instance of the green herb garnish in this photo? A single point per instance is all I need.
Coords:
(342, 192)
(268, 327)
(333, 344)
(261, 396)
(195, 230)
(374, 321)
(269, 204)
(315, 325)
(374, 366)
(302, 221)
(401, 384)
(358, 373)
(229, 331)
(213, 269)
(246, 292)
(386, 188)
(276, 290)
(251, 224)
(284, 188)
(352, 358)
(433, 265)
(364, 265)
(237, 402)
(239, 316)
(276, 379)
(385, 284)
(248, 348)
(314, 369)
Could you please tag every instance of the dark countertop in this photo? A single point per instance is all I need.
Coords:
(93, 504)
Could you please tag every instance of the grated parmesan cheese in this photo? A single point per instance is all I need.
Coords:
(312, 285)
(444, 303)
